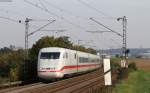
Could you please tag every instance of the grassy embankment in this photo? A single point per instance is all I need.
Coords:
(137, 81)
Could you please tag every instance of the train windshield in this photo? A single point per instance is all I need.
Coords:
(50, 55)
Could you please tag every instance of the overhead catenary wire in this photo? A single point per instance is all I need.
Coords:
(20, 14)
(17, 21)
(105, 27)
(41, 8)
(58, 8)
(20, 21)
(41, 20)
(98, 37)
(97, 31)
(51, 13)
(112, 42)
(12, 12)
(41, 28)
(115, 41)
(93, 8)
(10, 19)
(43, 5)
(59, 30)
(69, 12)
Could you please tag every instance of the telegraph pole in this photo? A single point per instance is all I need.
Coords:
(26, 37)
(26, 49)
(124, 39)
(124, 36)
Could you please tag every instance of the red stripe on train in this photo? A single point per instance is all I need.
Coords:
(69, 67)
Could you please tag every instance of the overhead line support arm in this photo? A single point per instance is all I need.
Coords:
(106, 27)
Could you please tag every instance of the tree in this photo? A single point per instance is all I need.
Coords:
(91, 50)
(63, 42)
(11, 64)
(49, 42)
(41, 43)
(5, 50)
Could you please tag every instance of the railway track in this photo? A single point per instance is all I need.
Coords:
(66, 84)
(72, 85)
(94, 83)
(10, 90)
(80, 87)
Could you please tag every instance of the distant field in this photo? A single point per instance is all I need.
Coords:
(143, 64)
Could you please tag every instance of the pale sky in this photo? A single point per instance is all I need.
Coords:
(73, 16)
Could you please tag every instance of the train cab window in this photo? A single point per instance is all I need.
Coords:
(50, 55)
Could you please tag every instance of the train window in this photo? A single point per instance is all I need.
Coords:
(75, 56)
(50, 55)
(66, 55)
(83, 59)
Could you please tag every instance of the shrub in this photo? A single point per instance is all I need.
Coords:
(132, 66)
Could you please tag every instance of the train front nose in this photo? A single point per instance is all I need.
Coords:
(50, 74)
(49, 69)
(49, 65)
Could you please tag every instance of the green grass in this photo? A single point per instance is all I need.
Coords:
(137, 82)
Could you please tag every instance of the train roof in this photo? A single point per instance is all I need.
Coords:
(59, 49)
(49, 49)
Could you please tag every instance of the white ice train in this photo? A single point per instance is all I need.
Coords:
(55, 62)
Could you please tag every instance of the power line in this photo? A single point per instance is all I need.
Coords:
(41, 28)
(10, 19)
(115, 41)
(59, 30)
(69, 12)
(58, 8)
(43, 5)
(41, 8)
(101, 32)
(97, 31)
(17, 21)
(93, 8)
(41, 20)
(62, 18)
(16, 13)
(11, 12)
(106, 27)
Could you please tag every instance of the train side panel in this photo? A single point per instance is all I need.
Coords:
(83, 64)
(71, 62)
